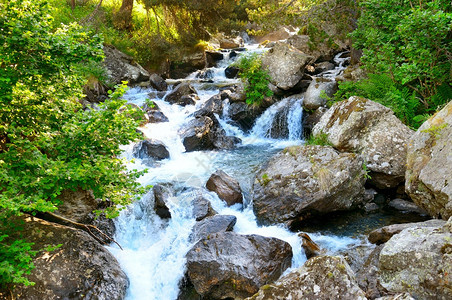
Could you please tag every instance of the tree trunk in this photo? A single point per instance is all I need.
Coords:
(124, 16)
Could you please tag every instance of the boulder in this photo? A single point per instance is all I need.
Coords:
(158, 83)
(244, 115)
(318, 92)
(429, 165)
(161, 196)
(121, 67)
(285, 65)
(310, 248)
(210, 225)
(323, 67)
(230, 265)
(212, 106)
(187, 65)
(231, 72)
(311, 119)
(281, 33)
(226, 187)
(371, 129)
(182, 89)
(156, 116)
(322, 277)
(205, 133)
(418, 260)
(213, 57)
(202, 208)
(302, 181)
(79, 206)
(231, 42)
(383, 234)
(80, 268)
(150, 148)
(406, 206)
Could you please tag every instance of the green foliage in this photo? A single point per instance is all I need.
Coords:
(320, 139)
(409, 40)
(48, 143)
(255, 77)
(15, 261)
(382, 89)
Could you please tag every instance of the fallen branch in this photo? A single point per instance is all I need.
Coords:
(87, 227)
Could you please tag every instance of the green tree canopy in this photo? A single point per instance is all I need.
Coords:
(48, 143)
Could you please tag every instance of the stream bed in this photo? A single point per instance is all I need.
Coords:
(154, 249)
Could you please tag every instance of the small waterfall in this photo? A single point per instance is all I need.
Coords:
(154, 249)
(340, 61)
(281, 120)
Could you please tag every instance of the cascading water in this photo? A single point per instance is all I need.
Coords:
(154, 249)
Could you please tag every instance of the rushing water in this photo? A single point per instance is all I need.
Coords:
(154, 249)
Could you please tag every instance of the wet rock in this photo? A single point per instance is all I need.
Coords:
(322, 277)
(182, 89)
(156, 116)
(318, 92)
(150, 148)
(356, 256)
(188, 100)
(202, 208)
(212, 106)
(418, 260)
(429, 165)
(244, 115)
(230, 265)
(158, 83)
(383, 234)
(323, 66)
(213, 57)
(226, 187)
(231, 42)
(363, 126)
(231, 72)
(81, 267)
(310, 248)
(210, 225)
(161, 196)
(371, 207)
(187, 65)
(406, 206)
(285, 65)
(204, 133)
(303, 181)
(121, 67)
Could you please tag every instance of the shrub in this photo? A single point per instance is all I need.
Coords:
(255, 77)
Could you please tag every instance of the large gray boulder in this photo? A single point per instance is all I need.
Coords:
(226, 187)
(121, 67)
(307, 180)
(362, 126)
(181, 94)
(318, 92)
(205, 133)
(385, 233)
(210, 225)
(150, 148)
(418, 260)
(321, 277)
(429, 165)
(230, 265)
(80, 269)
(285, 65)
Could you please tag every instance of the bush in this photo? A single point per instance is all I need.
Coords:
(410, 41)
(255, 77)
